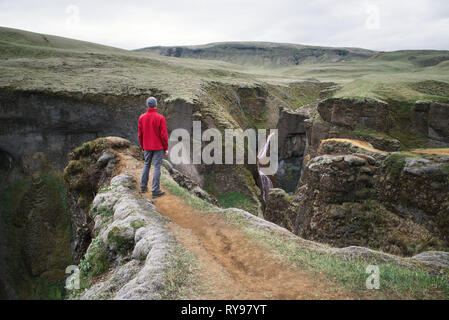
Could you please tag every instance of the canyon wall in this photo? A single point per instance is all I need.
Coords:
(361, 190)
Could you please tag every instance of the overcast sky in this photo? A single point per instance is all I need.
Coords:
(372, 24)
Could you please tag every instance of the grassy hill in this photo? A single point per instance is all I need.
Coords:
(41, 62)
(262, 53)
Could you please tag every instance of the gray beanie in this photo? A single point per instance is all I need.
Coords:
(151, 102)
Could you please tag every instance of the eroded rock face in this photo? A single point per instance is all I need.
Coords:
(55, 123)
(352, 113)
(91, 166)
(121, 244)
(387, 126)
(292, 143)
(133, 241)
(367, 120)
(34, 231)
(352, 196)
(278, 210)
(431, 119)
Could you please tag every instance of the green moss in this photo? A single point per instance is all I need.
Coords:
(363, 131)
(236, 200)
(395, 163)
(82, 172)
(121, 243)
(180, 275)
(39, 243)
(76, 166)
(88, 149)
(94, 263)
(210, 184)
(401, 126)
(48, 290)
(137, 224)
(103, 211)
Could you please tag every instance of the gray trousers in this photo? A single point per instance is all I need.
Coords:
(156, 156)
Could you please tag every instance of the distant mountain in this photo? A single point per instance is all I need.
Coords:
(263, 53)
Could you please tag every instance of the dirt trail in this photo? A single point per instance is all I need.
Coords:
(231, 266)
(357, 143)
(442, 151)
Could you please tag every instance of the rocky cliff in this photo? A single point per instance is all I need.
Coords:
(40, 129)
(353, 194)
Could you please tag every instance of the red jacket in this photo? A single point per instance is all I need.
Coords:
(153, 131)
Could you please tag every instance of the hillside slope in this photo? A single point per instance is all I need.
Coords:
(262, 53)
(34, 61)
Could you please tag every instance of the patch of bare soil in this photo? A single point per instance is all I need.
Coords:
(358, 143)
(231, 266)
(443, 151)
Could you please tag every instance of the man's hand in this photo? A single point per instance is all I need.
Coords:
(166, 152)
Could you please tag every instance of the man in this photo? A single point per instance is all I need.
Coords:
(153, 140)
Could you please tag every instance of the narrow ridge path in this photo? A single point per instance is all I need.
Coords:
(231, 266)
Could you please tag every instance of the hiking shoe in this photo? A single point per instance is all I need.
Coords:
(158, 194)
(143, 190)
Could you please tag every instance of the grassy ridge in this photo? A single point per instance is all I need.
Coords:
(41, 62)
(262, 53)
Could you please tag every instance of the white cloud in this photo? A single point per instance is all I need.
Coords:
(414, 24)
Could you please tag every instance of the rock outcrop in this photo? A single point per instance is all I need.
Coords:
(292, 143)
(353, 194)
(279, 209)
(431, 119)
(387, 126)
(434, 259)
(131, 242)
(121, 244)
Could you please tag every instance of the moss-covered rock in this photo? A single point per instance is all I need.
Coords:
(362, 197)
(36, 222)
(90, 168)
(121, 239)
(278, 209)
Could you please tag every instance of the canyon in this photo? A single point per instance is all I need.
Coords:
(359, 175)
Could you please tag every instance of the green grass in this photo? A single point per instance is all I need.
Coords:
(402, 126)
(235, 200)
(369, 132)
(262, 54)
(94, 263)
(396, 281)
(395, 163)
(186, 196)
(40, 62)
(180, 275)
(103, 211)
